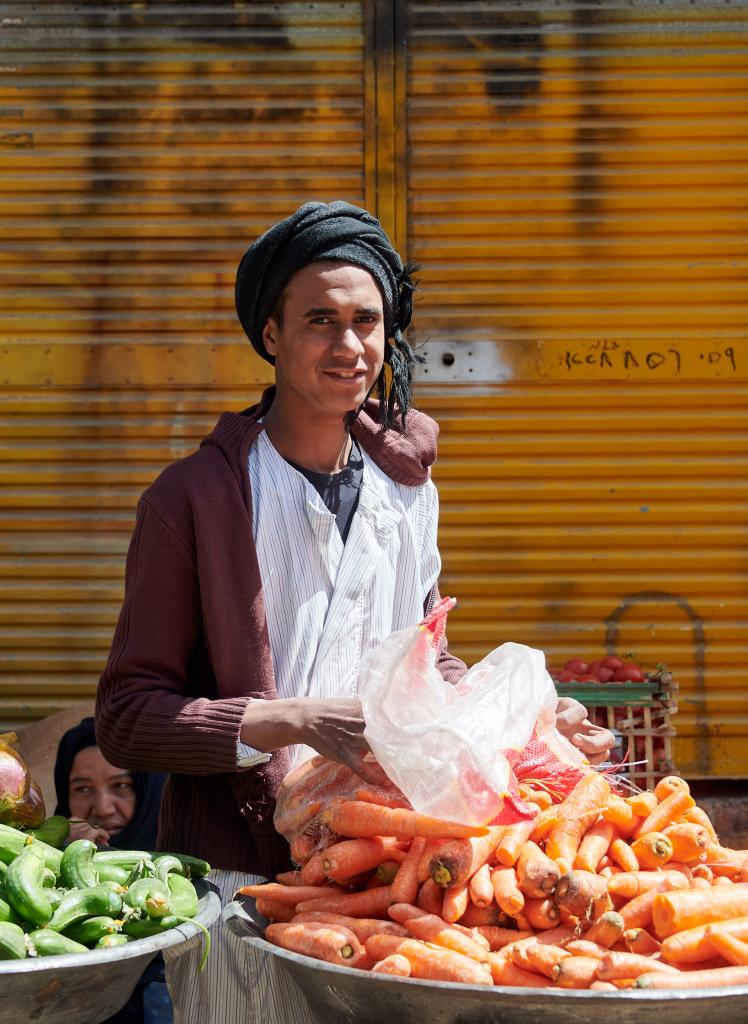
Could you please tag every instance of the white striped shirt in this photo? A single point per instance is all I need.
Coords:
(327, 603)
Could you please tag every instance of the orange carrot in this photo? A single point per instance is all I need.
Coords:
(333, 943)
(506, 891)
(288, 877)
(271, 910)
(369, 903)
(586, 799)
(395, 964)
(724, 861)
(688, 839)
(404, 888)
(362, 927)
(424, 864)
(475, 916)
(386, 873)
(637, 913)
(620, 814)
(732, 949)
(634, 883)
(652, 849)
(699, 816)
(594, 845)
(380, 945)
(313, 873)
(431, 963)
(541, 913)
(302, 847)
(455, 862)
(722, 880)
(583, 894)
(536, 796)
(639, 940)
(357, 818)
(504, 972)
(431, 928)
(602, 986)
(667, 786)
(544, 823)
(666, 812)
(623, 855)
(536, 873)
(630, 965)
(430, 897)
(575, 972)
(642, 803)
(517, 953)
(500, 937)
(607, 930)
(353, 856)
(715, 978)
(678, 865)
(704, 871)
(289, 894)
(582, 947)
(692, 946)
(678, 911)
(481, 887)
(514, 838)
(385, 798)
(543, 958)
(455, 903)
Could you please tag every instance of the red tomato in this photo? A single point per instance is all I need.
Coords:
(612, 662)
(629, 673)
(604, 674)
(554, 670)
(587, 677)
(566, 677)
(594, 666)
(576, 665)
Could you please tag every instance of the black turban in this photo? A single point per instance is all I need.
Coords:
(329, 231)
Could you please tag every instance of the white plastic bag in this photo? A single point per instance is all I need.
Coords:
(444, 745)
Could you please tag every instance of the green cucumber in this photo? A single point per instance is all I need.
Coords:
(91, 929)
(109, 941)
(167, 864)
(144, 927)
(12, 941)
(150, 896)
(47, 943)
(111, 873)
(78, 904)
(23, 886)
(13, 842)
(195, 867)
(7, 913)
(182, 896)
(123, 858)
(77, 869)
(53, 831)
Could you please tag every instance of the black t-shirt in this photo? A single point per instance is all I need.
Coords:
(339, 491)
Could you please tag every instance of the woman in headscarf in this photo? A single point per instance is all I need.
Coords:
(119, 808)
(109, 805)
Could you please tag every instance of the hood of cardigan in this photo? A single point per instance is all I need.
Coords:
(406, 456)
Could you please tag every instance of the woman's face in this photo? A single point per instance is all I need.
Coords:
(99, 792)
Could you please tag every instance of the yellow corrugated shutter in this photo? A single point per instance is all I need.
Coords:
(578, 195)
(143, 146)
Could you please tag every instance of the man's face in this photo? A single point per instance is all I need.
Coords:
(329, 347)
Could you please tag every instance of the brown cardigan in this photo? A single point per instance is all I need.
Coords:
(191, 647)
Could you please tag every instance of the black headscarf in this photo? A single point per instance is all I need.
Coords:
(140, 833)
(331, 231)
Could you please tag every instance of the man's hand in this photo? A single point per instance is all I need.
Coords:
(334, 728)
(572, 722)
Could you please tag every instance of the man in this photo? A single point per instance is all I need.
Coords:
(263, 566)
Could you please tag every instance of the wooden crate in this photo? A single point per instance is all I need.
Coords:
(641, 714)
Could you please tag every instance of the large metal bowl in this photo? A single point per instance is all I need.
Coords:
(343, 995)
(89, 987)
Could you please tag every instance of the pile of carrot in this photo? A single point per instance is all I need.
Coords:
(599, 891)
